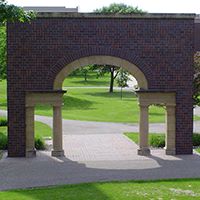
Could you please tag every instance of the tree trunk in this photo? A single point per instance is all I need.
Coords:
(85, 75)
(112, 69)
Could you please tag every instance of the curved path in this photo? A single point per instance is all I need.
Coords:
(94, 151)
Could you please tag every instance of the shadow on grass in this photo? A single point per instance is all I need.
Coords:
(3, 104)
(156, 114)
(70, 103)
(72, 192)
(115, 94)
(91, 82)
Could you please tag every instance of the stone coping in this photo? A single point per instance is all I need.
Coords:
(99, 15)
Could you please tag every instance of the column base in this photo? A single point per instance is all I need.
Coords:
(57, 153)
(31, 153)
(170, 151)
(144, 152)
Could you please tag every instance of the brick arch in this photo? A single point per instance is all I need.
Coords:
(101, 60)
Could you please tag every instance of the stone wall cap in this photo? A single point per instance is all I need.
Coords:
(99, 15)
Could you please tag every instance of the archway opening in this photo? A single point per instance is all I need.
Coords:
(71, 70)
(84, 105)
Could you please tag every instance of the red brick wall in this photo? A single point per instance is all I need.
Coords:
(162, 48)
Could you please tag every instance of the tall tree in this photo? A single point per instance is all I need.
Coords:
(12, 13)
(9, 13)
(113, 9)
(119, 8)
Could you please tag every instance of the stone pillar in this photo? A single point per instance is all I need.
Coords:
(144, 129)
(171, 130)
(30, 141)
(57, 132)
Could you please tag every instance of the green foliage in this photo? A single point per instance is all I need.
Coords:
(196, 139)
(198, 150)
(2, 52)
(84, 71)
(12, 13)
(9, 13)
(157, 140)
(41, 130)
(39, 143)
(119, 8)
(122, 78)
(3, 141)
(3, 122)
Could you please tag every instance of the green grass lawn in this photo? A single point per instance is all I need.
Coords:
(130, 190)
(41, 130)
(198, 150)
(135, 136)
(156, 140)
(3, 97)
(79, 81)
(99, 105)
(95, 104)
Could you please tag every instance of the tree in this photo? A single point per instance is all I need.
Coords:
(113, 9)
(12, 13)
(103, 69)
(85, 70)
(9, 13)
(119, 8)
(122, 79)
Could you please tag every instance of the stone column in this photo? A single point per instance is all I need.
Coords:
(171, 130)
(57, 132)
(144, 129)
(30, 141)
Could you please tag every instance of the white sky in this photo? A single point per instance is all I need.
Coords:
(152, 6)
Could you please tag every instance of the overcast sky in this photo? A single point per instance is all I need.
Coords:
(152, 6)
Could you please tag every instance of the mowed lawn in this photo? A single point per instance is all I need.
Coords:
(41, 130)
(96, 104)
(188, 189)
(92, 81)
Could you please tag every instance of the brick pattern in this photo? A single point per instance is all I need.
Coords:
(197, 38)
(162, 48)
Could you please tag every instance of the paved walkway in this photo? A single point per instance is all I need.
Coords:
(95, 151)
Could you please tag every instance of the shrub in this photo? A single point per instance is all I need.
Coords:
(3, 122)
(3, 141)
(157, 140)
(39, 143)
(196, 139)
